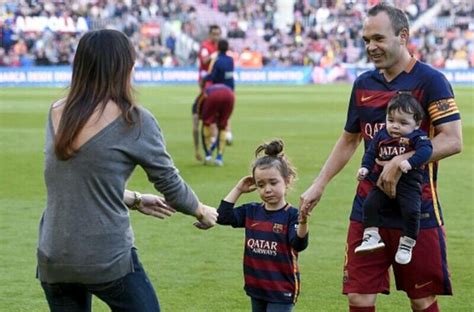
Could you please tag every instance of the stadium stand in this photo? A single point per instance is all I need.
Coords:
(166, 33)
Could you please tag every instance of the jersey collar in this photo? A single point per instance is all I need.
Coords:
(410, 65)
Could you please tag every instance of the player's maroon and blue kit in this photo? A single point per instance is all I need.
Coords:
(219, 105)
(366, 115)
(271, 249)
(208, 47)
(384, 147)
(222, 71)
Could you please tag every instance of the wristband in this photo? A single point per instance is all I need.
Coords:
(136, 201)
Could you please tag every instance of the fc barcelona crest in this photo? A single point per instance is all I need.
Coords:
(442, 105)
(277, 228)
(404, 141)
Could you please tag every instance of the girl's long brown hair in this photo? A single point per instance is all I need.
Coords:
(101, 73)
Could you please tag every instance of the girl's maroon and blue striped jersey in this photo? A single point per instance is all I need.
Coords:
(271, 249)
(371, 93)
(384, 147)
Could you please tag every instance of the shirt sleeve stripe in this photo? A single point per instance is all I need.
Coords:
(442, 108)
(438, 104)
(445, 114)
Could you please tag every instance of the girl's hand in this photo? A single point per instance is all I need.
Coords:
(303, 217)
(207, 217)
(246, 185)
(302, 229)
(362, 173)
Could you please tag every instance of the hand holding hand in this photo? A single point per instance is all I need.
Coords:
(362, 173)
(155, 206)
(310, 198)
(302, 229)
(207, 217)
(303, 217)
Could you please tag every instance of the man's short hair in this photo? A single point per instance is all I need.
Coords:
(214, 27)
(397, 17)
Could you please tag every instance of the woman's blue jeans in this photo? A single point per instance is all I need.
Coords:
(133, 292)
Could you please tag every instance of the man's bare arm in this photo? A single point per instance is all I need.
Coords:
(342, 152)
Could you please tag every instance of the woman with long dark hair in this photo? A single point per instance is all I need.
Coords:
(95, 138)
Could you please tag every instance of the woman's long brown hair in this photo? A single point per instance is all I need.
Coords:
(101, 73)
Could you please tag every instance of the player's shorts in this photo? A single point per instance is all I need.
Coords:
(218, 107)
(427, 274)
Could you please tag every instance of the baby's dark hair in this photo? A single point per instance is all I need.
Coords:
(274, 157)
(406, 103)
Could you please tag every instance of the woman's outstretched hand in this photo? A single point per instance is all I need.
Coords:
(155, 206)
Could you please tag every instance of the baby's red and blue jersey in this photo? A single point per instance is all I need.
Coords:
(271, 249)
(384, 147)
(370, 95)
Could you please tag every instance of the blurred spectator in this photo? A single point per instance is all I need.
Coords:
(250, 59)
(40, 58)
(235, 31)
(171, 43)
(3, 61)
(228, 6)
(8, 36)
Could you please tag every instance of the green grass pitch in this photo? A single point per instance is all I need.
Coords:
(196, 270)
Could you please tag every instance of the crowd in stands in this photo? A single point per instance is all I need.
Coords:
(324, 33)
(46, 32)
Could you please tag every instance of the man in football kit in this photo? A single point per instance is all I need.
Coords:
(216, 110)
(222, 67)
(386, 33)
(219, 102)
(207, 52)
